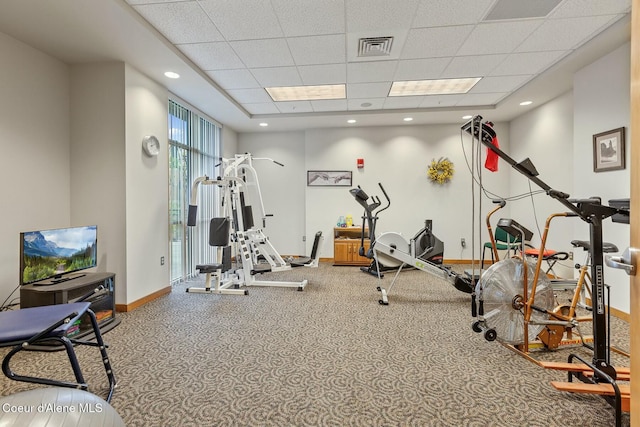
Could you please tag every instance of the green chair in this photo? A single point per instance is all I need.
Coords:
(504, 242)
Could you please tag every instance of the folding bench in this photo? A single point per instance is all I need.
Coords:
(35, 327)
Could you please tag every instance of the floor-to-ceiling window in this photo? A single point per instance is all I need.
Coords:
(194, 145)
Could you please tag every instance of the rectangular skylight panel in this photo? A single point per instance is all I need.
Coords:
(433, 87)
(306, 93)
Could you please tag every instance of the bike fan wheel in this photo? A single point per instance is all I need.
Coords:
(501, 289)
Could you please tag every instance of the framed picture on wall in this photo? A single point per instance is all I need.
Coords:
(608, 150)
(329, 178)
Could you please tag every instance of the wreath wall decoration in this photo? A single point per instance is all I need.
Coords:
(441, 170)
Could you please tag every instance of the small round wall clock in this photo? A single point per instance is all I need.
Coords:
(151, 145)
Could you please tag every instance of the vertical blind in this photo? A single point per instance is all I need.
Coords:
(194, 151)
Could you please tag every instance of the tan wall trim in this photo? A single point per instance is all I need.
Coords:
(446, 261)
(129, 307)
(620, 314)
(614, 311)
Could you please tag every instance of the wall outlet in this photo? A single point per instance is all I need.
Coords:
(161, 260)
(571, 255)
(304, 238)
(463, 242)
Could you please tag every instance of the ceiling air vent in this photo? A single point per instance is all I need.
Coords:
(375, 46)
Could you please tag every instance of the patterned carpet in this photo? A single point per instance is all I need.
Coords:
(327, 356)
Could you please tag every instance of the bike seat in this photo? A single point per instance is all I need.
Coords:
(586, 245)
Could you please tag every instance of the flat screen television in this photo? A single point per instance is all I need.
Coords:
(51, 256)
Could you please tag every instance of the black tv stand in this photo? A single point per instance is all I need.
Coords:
(72, 288)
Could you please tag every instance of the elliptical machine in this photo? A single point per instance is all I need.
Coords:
(424, 245)
(370, 215)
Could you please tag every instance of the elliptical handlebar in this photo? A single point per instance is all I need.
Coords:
(386, 196)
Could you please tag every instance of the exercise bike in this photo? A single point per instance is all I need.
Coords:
(424, 251)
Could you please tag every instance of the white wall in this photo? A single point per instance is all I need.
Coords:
(114, 184)
(283, 188)
(602, 103)
(98, 161)
(545, 136)
(398, 157)
(34, 141)
(84, 165)
(147, 191)
(229, 142)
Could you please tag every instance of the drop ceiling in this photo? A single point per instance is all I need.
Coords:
(227, 52)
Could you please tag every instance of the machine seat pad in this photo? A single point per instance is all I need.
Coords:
(209, 268)
(23, 324)
(586, 245)
(549, 254)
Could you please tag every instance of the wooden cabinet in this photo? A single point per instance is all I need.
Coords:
(346, 246)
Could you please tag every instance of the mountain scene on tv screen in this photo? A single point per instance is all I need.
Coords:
(45, 258)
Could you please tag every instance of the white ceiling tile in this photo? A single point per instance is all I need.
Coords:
(365, 104)
(440, 13)
(263, 53)
(243, 19)
(375, 71)
(329, 105)
(440, 101)
(434, 42)
(323, 74)
(402, 102)
(212, 56)
(472, 66)
(278, 76)
(498, 37)
(250, 96)
(481, 99)
(499, 84)
(379, 15)
(420, 69)
(574, 8)
(181, 22)
(368, 90)
(234, 79)
(262, 108)
(561, 34)
(310, 17)
(318, 49)
(294, 107)
(527, 63)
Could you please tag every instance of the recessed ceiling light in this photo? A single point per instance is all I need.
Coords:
(306, 93)
(408, 119)
(366, 104)
(526, 103)
(263, 124)
(432, 87)
(351, 121)
(172, 75)
(466, 117)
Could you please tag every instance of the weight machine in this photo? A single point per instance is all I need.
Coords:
(239, 184)
(424, 251)
(598, 375)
